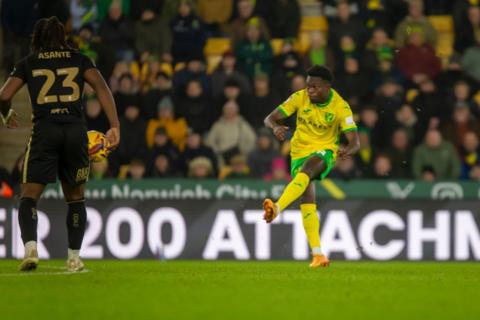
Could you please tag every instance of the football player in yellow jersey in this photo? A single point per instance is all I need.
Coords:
(322, 116)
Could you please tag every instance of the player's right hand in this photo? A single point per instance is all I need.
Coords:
(280, 132)
(113, 136)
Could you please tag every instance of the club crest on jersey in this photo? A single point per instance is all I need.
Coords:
(329, 117)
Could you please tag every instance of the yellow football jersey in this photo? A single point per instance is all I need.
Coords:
(318, 125)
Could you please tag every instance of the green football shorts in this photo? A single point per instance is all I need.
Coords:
(325, 155)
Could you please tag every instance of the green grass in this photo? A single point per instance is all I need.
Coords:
(242, 290)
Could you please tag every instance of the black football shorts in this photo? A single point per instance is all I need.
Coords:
(57, 149)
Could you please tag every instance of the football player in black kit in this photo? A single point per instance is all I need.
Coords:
(55, 76)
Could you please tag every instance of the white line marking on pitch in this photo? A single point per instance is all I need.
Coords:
(37, 273)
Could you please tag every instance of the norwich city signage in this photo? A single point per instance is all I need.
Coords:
(245, 189)
(234, 229)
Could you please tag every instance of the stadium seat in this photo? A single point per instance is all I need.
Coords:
(445, 36)
(442, 23)
(314, 23)
(217, 46)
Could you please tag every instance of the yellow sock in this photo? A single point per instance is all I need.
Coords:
(294, 190)
(311, 224)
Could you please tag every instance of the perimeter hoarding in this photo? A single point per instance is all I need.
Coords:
(234, 229)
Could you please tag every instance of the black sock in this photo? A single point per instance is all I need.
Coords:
(28, 219)
(76, 222)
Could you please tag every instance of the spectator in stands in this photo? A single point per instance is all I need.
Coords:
(162, 166)
(369, 124)
(283, 18)
(238, 27)
(227, 70)
(298, 83)
(132, 133)
(389, 98)
(466, 29)
(263, 100)
(117, 32)
(415, 22)
(95, 117)
(254, 53)
(463, 122)
(407, 119)
(461, 96)
(215, 14)
(176, 128)
(382, 167)
(438, 154)
(348, 49)
(152, 35)
(233, 91)
(470, 155)
(353, 83)
(161, 88)
(163, 145)
(126, 94)
(364, 157)
(231, 134)
(170, 8)
(81, 13)
(374, 13)
(137, 170)
(428, 174)
(200, 168)
(138, 6)
(17, 21)
(260, 159)
(345, 169)
(99, 170)
(195, 70)
(237, 168)
(378, 49)
(93, 48)
(286, 65)
(346, 25)
(194, 149)
(105, 5)
(318, 53)
(430, 105)
(196, 107)
(400, 154)
(278, 171)
(188, 34)
(452, 74)
(471, 60)
(418, 59)
(330, 7)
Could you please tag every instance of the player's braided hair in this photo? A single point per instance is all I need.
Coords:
(49, 33)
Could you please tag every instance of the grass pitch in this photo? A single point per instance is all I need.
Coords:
(241, 290)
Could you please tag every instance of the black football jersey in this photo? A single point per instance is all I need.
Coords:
(55, 82)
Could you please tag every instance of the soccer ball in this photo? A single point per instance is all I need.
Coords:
(97, 146)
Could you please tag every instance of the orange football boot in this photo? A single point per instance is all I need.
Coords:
(271, 210)
(319, 260)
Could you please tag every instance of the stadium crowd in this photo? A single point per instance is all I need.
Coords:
(418, 116)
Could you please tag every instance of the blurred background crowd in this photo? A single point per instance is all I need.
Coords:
(193, 81)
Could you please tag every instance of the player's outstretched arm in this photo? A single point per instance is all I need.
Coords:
(96, 81)
(272, 121)
(7, 92)
(352, 147)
